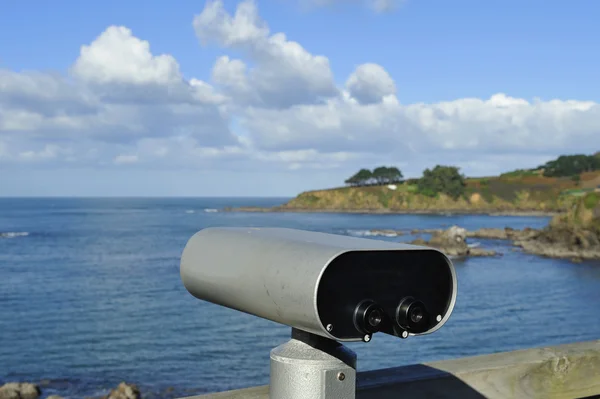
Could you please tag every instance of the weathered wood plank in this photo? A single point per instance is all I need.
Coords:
(565, 371)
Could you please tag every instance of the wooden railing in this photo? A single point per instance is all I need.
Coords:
(565, 371)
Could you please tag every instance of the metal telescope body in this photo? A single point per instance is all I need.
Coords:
(328, 288)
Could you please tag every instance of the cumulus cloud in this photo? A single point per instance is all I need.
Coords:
(116, 93)
(284, 73)
(116, 56)
(500, 123)
(270, 103)
(370, 83)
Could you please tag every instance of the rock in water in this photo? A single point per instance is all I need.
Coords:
(575, 234)
(489, 233)
(124, 391)
(19, 390)
(8, 393)
(453, 243)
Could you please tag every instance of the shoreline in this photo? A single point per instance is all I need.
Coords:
(531, 213)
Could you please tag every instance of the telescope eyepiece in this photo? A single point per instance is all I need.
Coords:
(368, 317)
(412, 315)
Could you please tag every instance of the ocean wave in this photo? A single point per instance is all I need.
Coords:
(372, 233)
(190, 211)
(211, 210)
(13, 234)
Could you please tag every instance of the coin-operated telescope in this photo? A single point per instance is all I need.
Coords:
(328, 288)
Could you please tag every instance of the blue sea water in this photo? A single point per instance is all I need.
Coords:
(90, 295)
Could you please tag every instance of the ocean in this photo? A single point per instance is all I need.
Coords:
(90, 295)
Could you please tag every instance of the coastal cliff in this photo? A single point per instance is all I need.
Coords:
(486, 195)
(574, 234)
(550, 188)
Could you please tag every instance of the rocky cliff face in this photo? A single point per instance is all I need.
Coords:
(383, 199)
(575, 234)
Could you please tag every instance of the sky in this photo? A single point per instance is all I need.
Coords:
(272, 98)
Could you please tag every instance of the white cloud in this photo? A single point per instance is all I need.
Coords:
(118, 94)
(499, 124)
(121, 104)
(285, 73)
(116, 56)
(370, 83)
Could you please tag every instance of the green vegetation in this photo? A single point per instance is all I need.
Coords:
(563, 166)
(569, 165)
(360, 178)
(520, 173)
(379, 175)
(578, 192)
(556, 186)
(591, 200)
(442, 180)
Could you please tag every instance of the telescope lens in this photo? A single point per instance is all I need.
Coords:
(368, 317)
(412, 315)
(416, 314)
(374, 318)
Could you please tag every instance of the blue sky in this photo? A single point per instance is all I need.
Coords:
(485, 85)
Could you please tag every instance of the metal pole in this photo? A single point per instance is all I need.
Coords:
(312, 367)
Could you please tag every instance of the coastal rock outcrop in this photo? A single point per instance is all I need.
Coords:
(19, 390)
(124, 391)
(25, 390)
(506, 233)
(453, 242)
(575, 234)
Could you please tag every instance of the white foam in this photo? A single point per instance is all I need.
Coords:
(210, 210)
(369, 233)
(13, 234)
(190, 211)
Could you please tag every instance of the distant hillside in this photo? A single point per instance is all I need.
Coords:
(519, 191)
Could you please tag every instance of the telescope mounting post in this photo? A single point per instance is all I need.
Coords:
(312, 367)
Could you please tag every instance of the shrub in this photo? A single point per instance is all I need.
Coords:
(442, 179)
(591, 200)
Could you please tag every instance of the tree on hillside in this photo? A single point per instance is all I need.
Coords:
(387, 175)
(360, 178)
(442, 179)
(569, 165)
